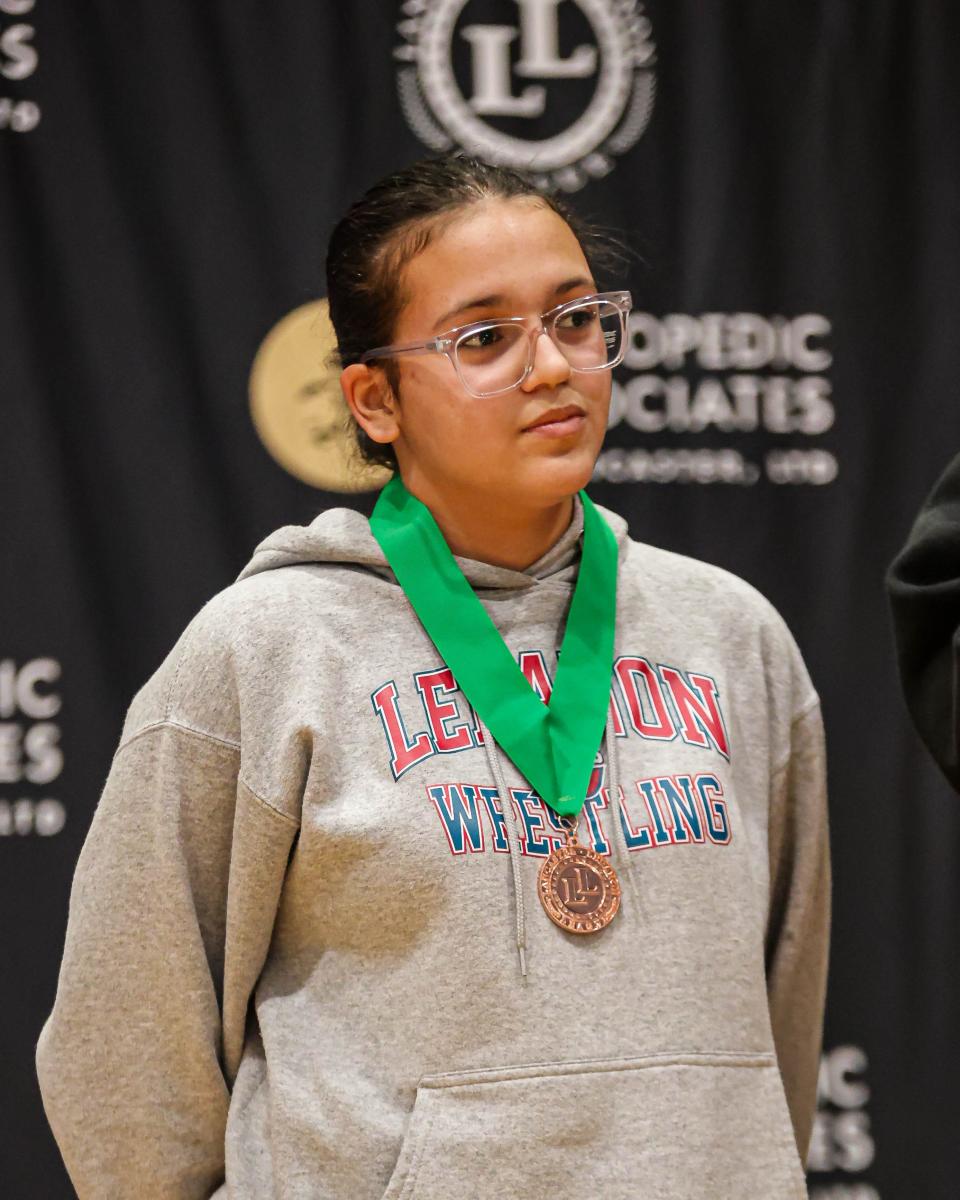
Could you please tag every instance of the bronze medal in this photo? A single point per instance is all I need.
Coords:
(578, 889)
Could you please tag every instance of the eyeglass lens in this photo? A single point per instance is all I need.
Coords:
(495, 358)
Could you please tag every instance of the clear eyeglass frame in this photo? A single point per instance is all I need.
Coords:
(450, 340)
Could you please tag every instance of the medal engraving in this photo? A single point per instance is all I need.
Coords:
(578, 889)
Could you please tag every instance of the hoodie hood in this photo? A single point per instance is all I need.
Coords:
(343, 536)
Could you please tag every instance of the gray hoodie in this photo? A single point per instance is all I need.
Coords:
(305, 957)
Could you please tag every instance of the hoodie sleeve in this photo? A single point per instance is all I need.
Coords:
(923, 584)
(799, 916)
(171, 912)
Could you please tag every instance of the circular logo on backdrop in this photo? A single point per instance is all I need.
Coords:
(556, 88)
(298, 409)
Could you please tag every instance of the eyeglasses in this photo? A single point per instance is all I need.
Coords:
(492, 357)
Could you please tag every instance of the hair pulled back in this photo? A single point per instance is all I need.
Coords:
(390, 225)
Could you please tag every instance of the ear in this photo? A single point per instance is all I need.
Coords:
(371, 400)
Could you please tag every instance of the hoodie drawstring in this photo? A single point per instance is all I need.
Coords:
(613, 788)
(513, 842)
(513, 825)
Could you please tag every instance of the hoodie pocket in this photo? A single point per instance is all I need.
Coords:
(663, 1127)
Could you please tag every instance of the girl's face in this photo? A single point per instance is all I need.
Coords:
(497, 258)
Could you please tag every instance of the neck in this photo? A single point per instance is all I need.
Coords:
(495, 531)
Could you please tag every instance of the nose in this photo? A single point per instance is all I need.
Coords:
(549, 368)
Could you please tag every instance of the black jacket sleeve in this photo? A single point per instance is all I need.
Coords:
(923, 584)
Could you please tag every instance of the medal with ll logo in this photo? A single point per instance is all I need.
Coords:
(579, 889)
(554, 744)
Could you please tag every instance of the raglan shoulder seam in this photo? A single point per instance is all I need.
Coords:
(225, 744)
(183, 727)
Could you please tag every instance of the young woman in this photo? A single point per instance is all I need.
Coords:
(387, 896)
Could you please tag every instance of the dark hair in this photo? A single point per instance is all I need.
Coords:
(391, 223)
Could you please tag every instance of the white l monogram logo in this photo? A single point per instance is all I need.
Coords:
(445, 114)
(539, 45)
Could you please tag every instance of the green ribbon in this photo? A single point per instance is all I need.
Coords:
(554, 746)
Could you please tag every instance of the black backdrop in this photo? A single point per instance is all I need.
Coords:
(169, 174)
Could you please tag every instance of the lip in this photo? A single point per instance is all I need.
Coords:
(558, 422)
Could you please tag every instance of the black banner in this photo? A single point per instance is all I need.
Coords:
(789, 173)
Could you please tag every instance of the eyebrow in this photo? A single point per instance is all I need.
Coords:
(498, 298)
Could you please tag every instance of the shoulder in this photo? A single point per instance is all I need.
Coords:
(689, 611)
(696, 586)
(693, 585)
(249, 641)
(689, 581)
(194, 685)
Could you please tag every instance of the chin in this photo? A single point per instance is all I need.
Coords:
(560, 476)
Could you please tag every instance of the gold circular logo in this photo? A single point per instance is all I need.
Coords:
(298, 409)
